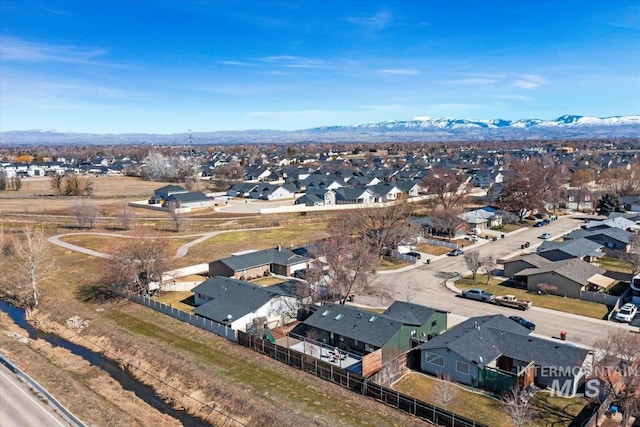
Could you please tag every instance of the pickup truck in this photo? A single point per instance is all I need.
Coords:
(513, 302)
(478, 294)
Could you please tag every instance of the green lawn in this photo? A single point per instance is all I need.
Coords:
(569, 305)
(549, 411)
(507, 228)
(613, 264)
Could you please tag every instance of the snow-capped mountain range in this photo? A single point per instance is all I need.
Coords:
(420, 129)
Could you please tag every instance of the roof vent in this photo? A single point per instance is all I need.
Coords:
(324, 313)
(339, 316)
(373, 318)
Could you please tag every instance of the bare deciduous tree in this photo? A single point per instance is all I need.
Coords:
(86, 213)
(176, 214)
(56, 183)
(77, 185)
(448, 187)
(125, 216)
(347, 264)
(623, 181)
(133, 263)
(518, 407)
(632, 257)
(32, 263)
(446, 220)
(446, 392)
(487, 264)
(385, 228)
(618, 368)
(472, 260)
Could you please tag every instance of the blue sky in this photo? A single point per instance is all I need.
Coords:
(165, 66)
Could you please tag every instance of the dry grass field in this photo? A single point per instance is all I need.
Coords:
(236, 381)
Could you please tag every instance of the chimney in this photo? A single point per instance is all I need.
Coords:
(279, 248)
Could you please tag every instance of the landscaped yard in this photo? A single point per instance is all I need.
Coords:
(434, 250)
(613, 264)
(178, 299)
(498, 286)
(550, 411)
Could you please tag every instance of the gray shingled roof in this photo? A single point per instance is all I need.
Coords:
(532, 259)
(575, 269)
(193, 196)
(410, 314)
(476, 339)
(232, 296)
(351, 322)
(612, 232)
(264, 257)
(483, 339)
(578, 248)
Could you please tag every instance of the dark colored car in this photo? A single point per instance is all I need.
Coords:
(524, 322)
(414, 254)
(456, 252)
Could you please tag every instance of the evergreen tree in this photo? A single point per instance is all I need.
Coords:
(609, 203)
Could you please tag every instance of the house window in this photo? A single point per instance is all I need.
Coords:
(341, 338)
(433, 324)
(355, 342)
(435, 359)
(462, 367)
(368, 348)
(587, 198)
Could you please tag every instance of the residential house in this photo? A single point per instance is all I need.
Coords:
(615, 222)
(486, 178)
(258, 263)
(192, 200)
(481, 219)
(582, 248)
(162, 193)
(497, 354)
(359, 195)
(362, 332)
(241, 189)
(515, 265)
(385, 192)
(236, 303)
(579, 199)
(567, 277)
(610, 238)
(317, 198)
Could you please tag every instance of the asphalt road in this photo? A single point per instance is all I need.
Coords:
(19, 407)
(425, 285)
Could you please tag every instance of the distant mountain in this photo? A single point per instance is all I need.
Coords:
(417, 130)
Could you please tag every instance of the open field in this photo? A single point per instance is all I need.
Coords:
(569, 305)
(550, 411)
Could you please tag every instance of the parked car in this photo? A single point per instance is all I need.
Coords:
(414, 254)
(539, 224)
(544, 236)
(456, 252)
(524, 322)
(627, 312)
(478, 294)
(472, 238)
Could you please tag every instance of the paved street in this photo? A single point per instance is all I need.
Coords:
(427, 282)
(19, 407)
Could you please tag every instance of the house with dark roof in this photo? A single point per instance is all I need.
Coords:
(614, 222)
(497, 354)
(610, 238)
(582, 248)
(236, 303)
(251, 264)
(162, 193)
(362, 332)
(358, 195)
(189, 200)
(569, 277)
(317, 197)
(515, 265)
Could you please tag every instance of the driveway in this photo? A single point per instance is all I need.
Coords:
(424, 284)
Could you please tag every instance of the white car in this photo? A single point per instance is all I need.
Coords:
(626, 313)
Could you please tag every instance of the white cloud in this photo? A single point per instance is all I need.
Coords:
(294, 61)
(470, 81)
(529, 81)
(375, 22)
(512, 97)
(400, 71)
(17, 49)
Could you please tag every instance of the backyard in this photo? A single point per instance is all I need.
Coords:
(549, 411)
